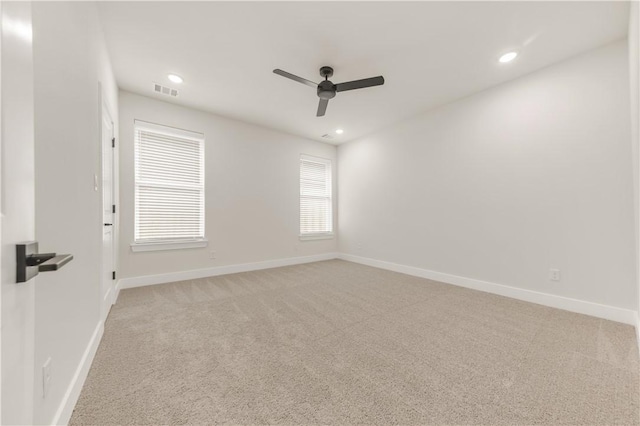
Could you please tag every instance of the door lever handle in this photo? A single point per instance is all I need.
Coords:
(108, 224)
(30, 262)
(55, 263)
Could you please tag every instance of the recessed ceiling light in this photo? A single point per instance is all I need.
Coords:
(508, 57)
(339, 131)
(175, 78)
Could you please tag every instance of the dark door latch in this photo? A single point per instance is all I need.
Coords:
(30, 262)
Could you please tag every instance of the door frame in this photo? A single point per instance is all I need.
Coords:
(1, 207)
(106, 109)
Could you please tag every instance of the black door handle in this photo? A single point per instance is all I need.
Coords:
(55, 263)
(108, 224)
(30, 262)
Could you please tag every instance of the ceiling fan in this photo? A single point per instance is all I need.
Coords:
(327, 90)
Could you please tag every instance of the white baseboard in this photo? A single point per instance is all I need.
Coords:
(626, 316)
(638, 329)
(63, 415)
(117, 288)
(218, 270)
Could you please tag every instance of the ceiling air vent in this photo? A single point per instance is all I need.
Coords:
(163, 90)
(327, 136)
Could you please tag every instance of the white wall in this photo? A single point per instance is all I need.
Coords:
(505, 184)
(252, 191)
(70, 62)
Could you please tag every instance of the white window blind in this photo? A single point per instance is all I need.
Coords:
(169, 184)
(316, 207)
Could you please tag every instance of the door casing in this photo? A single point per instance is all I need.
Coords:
(107, 135)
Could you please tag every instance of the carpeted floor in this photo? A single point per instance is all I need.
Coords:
(340, 343)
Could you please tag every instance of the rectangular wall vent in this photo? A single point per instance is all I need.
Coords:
(163, 90)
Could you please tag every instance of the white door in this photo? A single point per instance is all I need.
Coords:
(108, 213)
(17, 190)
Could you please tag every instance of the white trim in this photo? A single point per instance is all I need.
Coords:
(117, 294)
(105, 108)
(319, 236)
(638, 329)
(626, 316)
(314, 159)
(65, 410)
(169, 245)
(168, 130)
(219, 270)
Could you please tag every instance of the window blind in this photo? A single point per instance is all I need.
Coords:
(316, 207)
(169, 184)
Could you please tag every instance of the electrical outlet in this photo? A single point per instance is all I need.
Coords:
(46, 377)
(212, 255)
(554, 274)
(359, 246)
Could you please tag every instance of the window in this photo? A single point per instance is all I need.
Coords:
(169, 188)
(316, 206)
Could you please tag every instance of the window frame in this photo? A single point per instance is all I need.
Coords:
(139, 245)
(309, 236)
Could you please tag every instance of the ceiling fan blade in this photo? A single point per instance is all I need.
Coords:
(322, 107)
(360, 84)
(295, 78)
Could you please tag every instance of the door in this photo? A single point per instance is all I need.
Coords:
(17, 206)
(108, 213)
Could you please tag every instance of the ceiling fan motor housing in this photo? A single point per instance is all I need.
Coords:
(326, 90)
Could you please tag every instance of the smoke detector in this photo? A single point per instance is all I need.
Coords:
(164, 90)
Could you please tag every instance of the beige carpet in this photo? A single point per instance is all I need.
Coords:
(340, 343)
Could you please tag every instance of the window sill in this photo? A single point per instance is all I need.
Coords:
(310, 237)
(169, 245)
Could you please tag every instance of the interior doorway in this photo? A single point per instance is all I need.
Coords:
(108, 212)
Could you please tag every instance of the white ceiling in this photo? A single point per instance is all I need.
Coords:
(429, 53)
